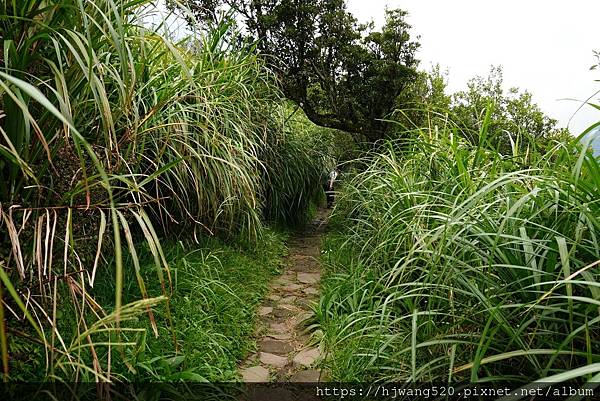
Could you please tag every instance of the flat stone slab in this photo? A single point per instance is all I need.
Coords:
(310, 257)
(307, 357)
(264, 310)
(251, 360)
(255, 374)
(301, 318)
(275, 346)
(309, 278)
(284, 280)
(306, 376)
(291, 287)
(273, 360)
(274, 297)
(278, 328)
(289, 300)
(282, 336)
(282, 312)
(304, 257)
(305, 265)
(310, 291)
(306, 303)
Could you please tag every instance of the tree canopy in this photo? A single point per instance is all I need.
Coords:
(513, 113)
(343, 74)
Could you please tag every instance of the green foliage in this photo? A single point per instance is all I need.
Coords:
(455, 263)
(423, 103)
(296, 167)
(331, 146)
(343, 74)
(597, 56)
(512, 114)
(294, 177)
(217, 288)
(113, 135)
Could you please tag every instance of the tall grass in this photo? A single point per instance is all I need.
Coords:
(214, 285)
(456, 263)
(297, 167)
(112, 134)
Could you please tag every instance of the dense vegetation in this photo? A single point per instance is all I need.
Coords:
(147, 185)
(453, 262)
(114, 137)
(345, 75)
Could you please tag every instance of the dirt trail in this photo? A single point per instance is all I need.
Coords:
(285, 354)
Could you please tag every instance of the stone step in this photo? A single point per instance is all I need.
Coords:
(307, 357)
(264, 310)
(273, 360)
(309, 278)
(275, 346)
(255, 374)
(306, 376)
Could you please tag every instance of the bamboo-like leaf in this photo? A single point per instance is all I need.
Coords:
(14, 240)
(136, 265)
(13, 293)
(3, 334)
(101, 231)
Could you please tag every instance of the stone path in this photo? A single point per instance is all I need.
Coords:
(285, 351)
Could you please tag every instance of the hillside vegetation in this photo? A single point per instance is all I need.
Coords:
(113, 138)
(453, 262)
(148, 186)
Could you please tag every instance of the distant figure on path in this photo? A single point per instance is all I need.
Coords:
(328, 187)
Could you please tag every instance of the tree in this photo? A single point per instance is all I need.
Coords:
(513, 114)
(343, 74)
(423, 101)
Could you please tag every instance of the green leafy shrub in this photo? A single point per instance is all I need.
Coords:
(454, 262)
(112, 135)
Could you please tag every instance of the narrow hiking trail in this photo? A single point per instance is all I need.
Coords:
(285, 353)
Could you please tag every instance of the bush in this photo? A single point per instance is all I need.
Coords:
(112, 135)
(456, 263)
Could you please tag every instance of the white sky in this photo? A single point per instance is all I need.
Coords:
(544, 46)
